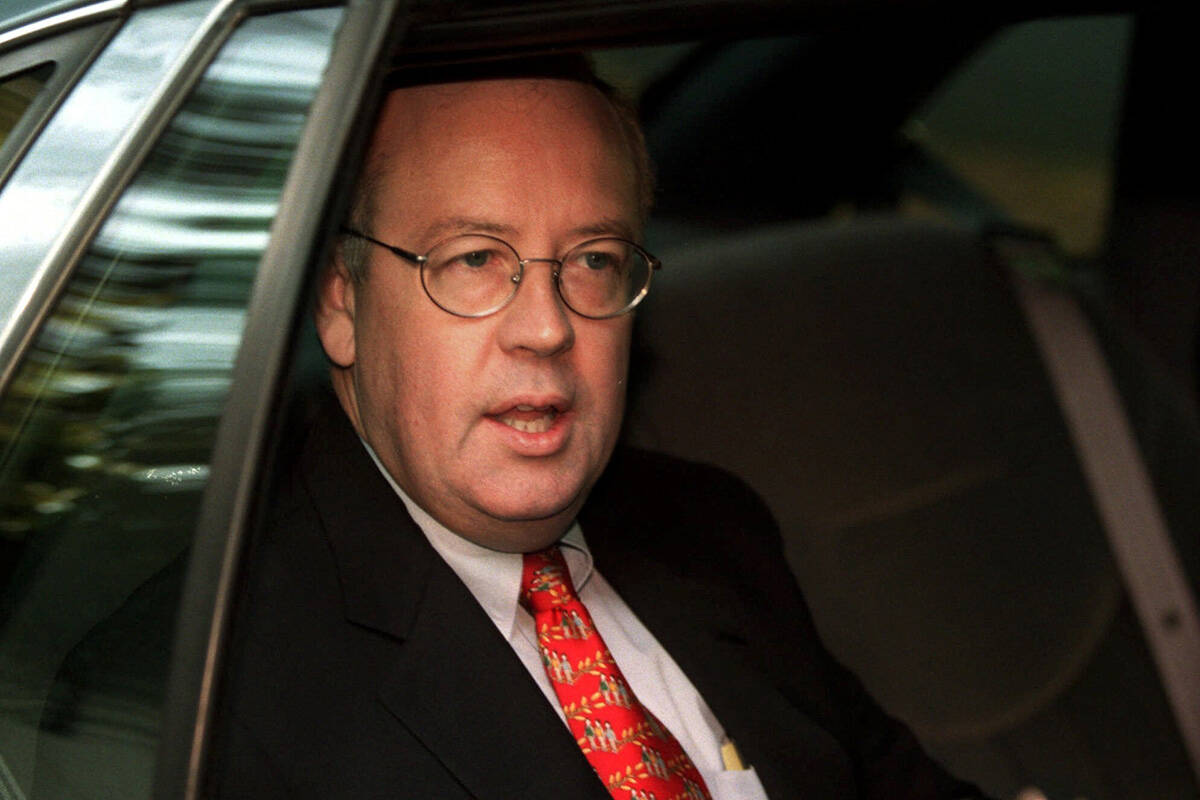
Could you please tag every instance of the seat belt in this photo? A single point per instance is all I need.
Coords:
(1119, 480)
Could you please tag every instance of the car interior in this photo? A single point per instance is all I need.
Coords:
(871, 371)
(852, 213)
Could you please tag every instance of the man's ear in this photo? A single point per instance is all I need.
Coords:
(335, 313)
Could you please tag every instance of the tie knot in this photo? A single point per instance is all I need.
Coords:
(545, 581)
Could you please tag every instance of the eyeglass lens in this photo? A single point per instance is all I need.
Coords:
(477, 275)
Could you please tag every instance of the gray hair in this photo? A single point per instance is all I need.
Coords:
(353, 251)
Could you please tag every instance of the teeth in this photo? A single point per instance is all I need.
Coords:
(539, 425)
(524, 408)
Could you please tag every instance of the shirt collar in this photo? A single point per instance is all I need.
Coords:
(492, 576)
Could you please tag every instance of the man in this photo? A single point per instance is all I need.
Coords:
(381, 648)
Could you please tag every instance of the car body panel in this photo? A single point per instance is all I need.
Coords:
(29, 18)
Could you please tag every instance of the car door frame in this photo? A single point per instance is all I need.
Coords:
(353, 77)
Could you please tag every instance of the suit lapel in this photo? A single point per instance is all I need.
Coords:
(705, 628)
(460, 689)
(456, 684)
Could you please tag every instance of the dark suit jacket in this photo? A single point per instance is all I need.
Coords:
(361, 667)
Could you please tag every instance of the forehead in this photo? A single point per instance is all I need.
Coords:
(472, 148)
(545, 96)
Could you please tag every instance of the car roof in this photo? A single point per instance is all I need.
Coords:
(437, 22)
(20, 13)
(437, 25)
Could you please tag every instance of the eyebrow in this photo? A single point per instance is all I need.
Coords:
(450, 226)
(606, 227)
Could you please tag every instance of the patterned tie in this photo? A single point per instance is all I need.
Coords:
(631, 751)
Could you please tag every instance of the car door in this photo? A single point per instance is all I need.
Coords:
(163, 177)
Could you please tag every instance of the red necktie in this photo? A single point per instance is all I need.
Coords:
(635, 756)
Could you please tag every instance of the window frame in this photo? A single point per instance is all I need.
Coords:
(276, 294)
(71, 49)
(337, 123)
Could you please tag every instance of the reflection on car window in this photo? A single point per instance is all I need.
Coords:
(16, 95)
(106, 429)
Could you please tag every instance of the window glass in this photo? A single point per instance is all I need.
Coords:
(76, 148)
(106, 429)
(1031, 122)
(16, 95)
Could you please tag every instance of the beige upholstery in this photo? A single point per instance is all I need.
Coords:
(875, 382)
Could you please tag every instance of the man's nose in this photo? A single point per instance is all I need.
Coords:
(537, 320)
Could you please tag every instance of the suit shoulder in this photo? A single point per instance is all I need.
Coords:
(670, 479)
(668, 472)
(701, 507)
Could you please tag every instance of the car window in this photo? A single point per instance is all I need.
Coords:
(39, 65)
(16, 95)
(107, 425)
(60, 182)
(1030, 121)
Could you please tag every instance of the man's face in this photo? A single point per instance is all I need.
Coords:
(497, 426)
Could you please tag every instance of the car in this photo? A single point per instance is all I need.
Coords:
(929, 286)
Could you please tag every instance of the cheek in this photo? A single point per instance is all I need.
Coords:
(438, 374)
(389, 355)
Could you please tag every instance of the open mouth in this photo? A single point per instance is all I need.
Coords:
(529, 419)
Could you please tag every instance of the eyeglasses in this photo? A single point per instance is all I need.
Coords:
(474, 275)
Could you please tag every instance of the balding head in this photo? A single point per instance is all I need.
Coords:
(442, 80)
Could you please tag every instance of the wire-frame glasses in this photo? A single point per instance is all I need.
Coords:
(474, 275)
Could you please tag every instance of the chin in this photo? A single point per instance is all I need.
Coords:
(532, 497)
(551, 505)
(532, 511)
(515, 527)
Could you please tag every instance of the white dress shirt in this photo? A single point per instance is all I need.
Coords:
(494, 578)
